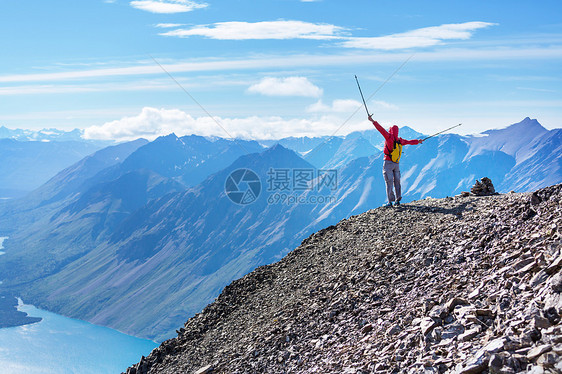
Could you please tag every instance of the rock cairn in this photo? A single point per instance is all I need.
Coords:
(465, 284)
(483, 187)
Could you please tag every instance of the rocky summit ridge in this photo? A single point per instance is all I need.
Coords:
(464, 284)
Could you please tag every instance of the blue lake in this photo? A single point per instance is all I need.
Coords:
(60, 345)
(63, 345)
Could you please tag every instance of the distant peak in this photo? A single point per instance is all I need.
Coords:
(335, 139)
(193, 136)
(171, 136)
(277, 147)
(526, 125)
(277, 150)
(527, 122)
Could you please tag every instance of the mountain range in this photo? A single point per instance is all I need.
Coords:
(154, 230)
(29, 158)
(26, 165)
(46, 135)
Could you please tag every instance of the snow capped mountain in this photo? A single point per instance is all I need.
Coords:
(516, 140)
(124, 235)
(450, 163)
(300, 145)
(188, 159)
(535, 150)
(337, 152)
(349, 150)
(324, 152)
(47, 135)
(538, 165)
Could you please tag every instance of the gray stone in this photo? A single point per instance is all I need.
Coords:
(367, 328)
(496, 345)
(475, 364)
(539, 350)
(535, 199)
(556, 283)
(439, 311)
(427, 324)
(205, 370)
(452, 330)
(452, 303)
(540, 322)
(554, 266)
(468, 335)
(495, 363)
(393, 330)
(548, 359)
(484, 187)
(539, 278)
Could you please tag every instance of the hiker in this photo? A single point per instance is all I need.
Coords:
(392, 152)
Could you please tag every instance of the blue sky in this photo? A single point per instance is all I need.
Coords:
(270, 69)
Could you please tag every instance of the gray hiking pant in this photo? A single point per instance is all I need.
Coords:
(391, 173)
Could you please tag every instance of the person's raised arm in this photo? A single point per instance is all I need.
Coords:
(379, 127)
(411, 142)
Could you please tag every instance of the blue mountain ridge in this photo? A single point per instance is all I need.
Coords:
(62, 187)
(26, 165)
(188, 159)
(165, 259)
(182, 249)
(337, 152)
(93, 195)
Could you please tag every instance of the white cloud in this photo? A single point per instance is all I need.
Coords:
(150, 123)
(424, 37)
(290, 86)
(348, 106)
(167, 6)
(384, 105)
(338, 106)
(149, 85)
(262, 30)
(168, 25)
(153, 122)
(276, 61)
(281, 29)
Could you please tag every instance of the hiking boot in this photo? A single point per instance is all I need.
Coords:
(388, 205)
(397, 203)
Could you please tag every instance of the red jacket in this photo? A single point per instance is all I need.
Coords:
(389, 138)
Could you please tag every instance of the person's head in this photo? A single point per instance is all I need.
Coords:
(393, 131)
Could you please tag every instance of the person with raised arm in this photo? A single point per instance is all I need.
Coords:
(391, 167)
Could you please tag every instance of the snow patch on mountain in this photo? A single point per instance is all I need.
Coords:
(517, 140)
(366, 190)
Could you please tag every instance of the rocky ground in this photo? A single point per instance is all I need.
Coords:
(466, 284)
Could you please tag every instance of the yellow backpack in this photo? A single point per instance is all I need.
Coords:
(395, 153)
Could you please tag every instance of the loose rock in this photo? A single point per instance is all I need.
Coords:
(469, 284)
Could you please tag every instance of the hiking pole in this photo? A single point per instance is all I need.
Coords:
(440, 132)
(361, 92)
